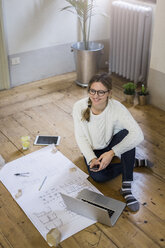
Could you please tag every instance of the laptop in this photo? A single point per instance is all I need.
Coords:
(95, 206)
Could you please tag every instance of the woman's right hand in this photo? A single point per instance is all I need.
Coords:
(94, 165)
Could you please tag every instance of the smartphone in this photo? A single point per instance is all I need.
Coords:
(95, 168)
(43, 140)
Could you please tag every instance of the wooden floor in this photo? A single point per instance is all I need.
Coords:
(45, 107)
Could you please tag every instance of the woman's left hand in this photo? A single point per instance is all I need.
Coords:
(105, 159)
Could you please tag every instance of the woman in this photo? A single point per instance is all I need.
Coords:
(104, 128)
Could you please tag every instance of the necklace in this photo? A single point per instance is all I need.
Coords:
(96, 111)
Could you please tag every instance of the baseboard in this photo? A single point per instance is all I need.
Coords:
(46, 62)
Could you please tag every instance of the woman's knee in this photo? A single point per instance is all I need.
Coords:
(121, 134)
(98, 177)
(118, 137)
(130, 154)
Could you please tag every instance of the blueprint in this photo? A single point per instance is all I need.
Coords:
(44, 205)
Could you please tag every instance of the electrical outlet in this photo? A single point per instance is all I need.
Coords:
(15, 61)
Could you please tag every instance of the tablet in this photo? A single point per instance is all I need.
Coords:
(43, 140)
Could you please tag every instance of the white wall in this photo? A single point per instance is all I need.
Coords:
(4, 70)
(158, 47)
(100, 28)
(32, 25)
(39, 35)
(156, 80)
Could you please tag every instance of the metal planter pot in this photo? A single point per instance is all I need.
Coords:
(129, 98)
(87, 61)
(143, 99)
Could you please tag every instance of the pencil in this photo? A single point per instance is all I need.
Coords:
(42, 183)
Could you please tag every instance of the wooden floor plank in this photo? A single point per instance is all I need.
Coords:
(151, 190)
(8, 150)
(13, 130)
(29, 103)
(94, 237)
(149, 120)
(17, 228)
(155, 155)
(4, 242)
(125, 232)
(40, 88)
(147, 222)
(69, 243)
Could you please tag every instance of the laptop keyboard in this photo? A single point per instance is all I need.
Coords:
(110, 212)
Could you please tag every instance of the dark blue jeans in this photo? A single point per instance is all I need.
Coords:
(125, 167)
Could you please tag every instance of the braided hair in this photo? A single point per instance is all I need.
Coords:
(106, 80)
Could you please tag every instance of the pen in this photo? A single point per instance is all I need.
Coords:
(42, 183)
(23, 174)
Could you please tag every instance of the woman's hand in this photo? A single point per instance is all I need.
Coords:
(105, 159)
(102, 162)
(94, 165)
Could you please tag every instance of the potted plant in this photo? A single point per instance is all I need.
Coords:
(87, 53)
(129, 92)
(143, 95)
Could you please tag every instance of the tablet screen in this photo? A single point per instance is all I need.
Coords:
(47, 140)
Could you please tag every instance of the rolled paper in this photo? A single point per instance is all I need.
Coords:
(54, 149)
(53, 237)
(19, 193)
(73, 169)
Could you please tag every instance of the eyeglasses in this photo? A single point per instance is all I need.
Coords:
(99, 92)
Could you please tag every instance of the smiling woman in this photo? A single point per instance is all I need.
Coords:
(99, 93)
(104, 128)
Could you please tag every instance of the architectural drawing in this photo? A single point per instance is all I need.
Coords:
(48, 219)
(45, 208)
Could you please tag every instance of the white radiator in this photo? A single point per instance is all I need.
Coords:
(130, 40)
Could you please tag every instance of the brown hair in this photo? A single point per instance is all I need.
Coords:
(106, 80)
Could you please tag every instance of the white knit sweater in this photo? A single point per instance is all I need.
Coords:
(98, 132)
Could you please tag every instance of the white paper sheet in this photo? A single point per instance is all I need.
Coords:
(45, 207)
